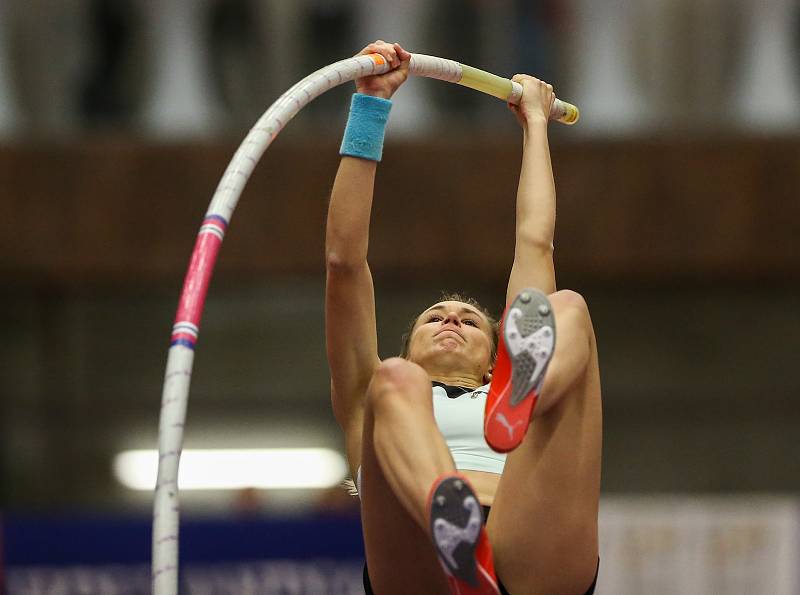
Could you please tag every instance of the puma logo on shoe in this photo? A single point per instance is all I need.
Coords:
(503, 420)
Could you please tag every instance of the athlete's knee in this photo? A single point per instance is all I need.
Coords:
(575, 344)
(570, 307)
(400, 379)
(567, 298)
(398, 371)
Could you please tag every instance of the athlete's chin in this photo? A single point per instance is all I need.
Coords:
(448, 354)
(450, 345)
(451, 357)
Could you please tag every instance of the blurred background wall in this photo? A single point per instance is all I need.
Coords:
(678, 221)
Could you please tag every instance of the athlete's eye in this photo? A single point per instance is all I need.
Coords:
(434, 318)
(471, 322)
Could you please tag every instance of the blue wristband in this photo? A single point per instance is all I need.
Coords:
(363, 136)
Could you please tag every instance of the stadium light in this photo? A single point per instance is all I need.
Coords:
(232, 469)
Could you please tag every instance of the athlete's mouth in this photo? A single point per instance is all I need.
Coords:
(445, 330)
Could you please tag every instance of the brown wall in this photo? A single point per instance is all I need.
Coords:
(105, 210)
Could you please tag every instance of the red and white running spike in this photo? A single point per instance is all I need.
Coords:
(527, 343)
(456, 521)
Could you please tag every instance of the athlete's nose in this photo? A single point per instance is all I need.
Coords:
(453, 318)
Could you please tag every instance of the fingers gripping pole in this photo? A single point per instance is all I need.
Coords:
(186, 328)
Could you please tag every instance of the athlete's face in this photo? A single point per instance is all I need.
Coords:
(454, 337)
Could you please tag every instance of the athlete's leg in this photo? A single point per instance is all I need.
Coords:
(543, 525)
(575, 346)
(403, 453)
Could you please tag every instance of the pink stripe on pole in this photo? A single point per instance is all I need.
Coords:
(195, 286)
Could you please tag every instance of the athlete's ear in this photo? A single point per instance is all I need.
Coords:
(487, 378)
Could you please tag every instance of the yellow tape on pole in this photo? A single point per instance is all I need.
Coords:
(485, 82)
(507, 90)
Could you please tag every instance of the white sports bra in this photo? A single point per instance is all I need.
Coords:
(459, 415)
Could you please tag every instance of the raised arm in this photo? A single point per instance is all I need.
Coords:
(536, 195)
(350, 329)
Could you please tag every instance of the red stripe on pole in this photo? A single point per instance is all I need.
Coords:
(198, 277)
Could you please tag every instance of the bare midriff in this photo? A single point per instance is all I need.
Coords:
(484, 484)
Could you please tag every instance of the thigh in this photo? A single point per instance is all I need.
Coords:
(543, 525)
(400, 556)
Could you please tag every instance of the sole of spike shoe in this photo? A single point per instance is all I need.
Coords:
(527, 343)
(456, 522)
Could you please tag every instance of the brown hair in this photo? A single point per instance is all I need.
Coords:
(448, 296)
